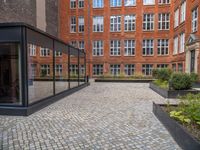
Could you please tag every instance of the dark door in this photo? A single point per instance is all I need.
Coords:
(192, 65)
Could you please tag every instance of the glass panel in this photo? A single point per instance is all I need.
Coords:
(82, 68)
(9, 73)
(40, 72)
(61, 68)
(73, 67)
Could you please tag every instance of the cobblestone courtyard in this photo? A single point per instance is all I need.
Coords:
(101, 116)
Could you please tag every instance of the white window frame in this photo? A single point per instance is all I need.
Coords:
(115, 69)
(81, 3)
(129, 3)
(182, 43)
(129, 69)
(81, 45)
(73, 24)
(195, 19)
(97, 49)
(58, 53)
(147, 69)
(183, 11)
(148, 2)
(97, 69)
(164, 21)
(129, 47)
(98, 24)
(163, 46)
(44, 52)
(73, 69)
(98, 3)
(45, 67)
(115, 23)
(175, 51)
(148, 47)
(58, 69)
(81, 24)
(32, 49)
(176, 18)
(129, 23)
(148, 25)
(115, 3)
(73, 4)
(115, 48)
(161, 2)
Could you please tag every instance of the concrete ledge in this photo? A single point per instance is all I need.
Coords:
(183, 138)
(25, 111)
(171, 93)
(125, 80)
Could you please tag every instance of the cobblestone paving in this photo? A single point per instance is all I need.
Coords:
(101, 116)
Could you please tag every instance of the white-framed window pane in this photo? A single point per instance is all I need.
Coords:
(129, 22)
(182, 42)
(148, 22)
(129, 2)
(58, 69)
(163, 1)
(163, 21)
(115, 47)
(98, 24)
(147, 69)
(163, 46)
(81, 3)
(98, 48)
(44, 70)
(73, 69)
(175, 45)
(176, 18)
(72, 4)
(81, 24)
(129, 69)
(44, 52)
(97, 69)
(129, 47)
(148, 2)
(195, 20)
(115, 3)
(32, 49)
(58, 53)
(73, 24)
(98, 3)
(183, 11)
(115, 23)
(148, 47)
(73, 43)
(81, 45)
(115, 69)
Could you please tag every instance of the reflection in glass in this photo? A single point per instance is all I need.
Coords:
(9, 73)
(82, 68)
(40, 72)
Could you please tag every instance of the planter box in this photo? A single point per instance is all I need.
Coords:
(125, 80)
(183, 138)
(171, 93)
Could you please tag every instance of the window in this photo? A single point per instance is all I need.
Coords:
(115, 70)
(195, 20)
(97, 48)
(32, 49)
(162, 66)
(183, 11)
(81, 3)
(115, 47)
(44, 52)
(115, 3)
(163, 46)
(182, 42)
(33, 69)
(115, 23)
(98, 69)
(73, 24)
(98, 24)
(129, 2)
(147, 69)
(129, 22)
(72, 4)
(81, 45)
(129, 69)
(164, 21)
(174, 67)
(148, 2)
(73, 69)
(180, 67)
(58, 69)
(44, 70)
(175, 45)
(129, 46)
(163, 1)
(81, 24)
(98, 3)
(73, 43)
(148, 45)
(82, 70)
(148, 21)
(58, 54)
(176, 18)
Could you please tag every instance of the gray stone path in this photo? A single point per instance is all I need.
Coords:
(101, 116)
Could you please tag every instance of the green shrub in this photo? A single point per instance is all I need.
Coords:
(164, 74)
(155, 73)
(181, 81)
(161, 84)
(194, 77)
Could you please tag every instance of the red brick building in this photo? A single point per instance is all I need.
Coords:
(132, 37)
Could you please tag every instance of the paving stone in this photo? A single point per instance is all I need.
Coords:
(101, 116)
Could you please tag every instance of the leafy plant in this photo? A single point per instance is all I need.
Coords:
(161, 83)
(181, 81)
(194, 77)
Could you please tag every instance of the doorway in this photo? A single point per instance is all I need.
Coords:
(192, 63)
